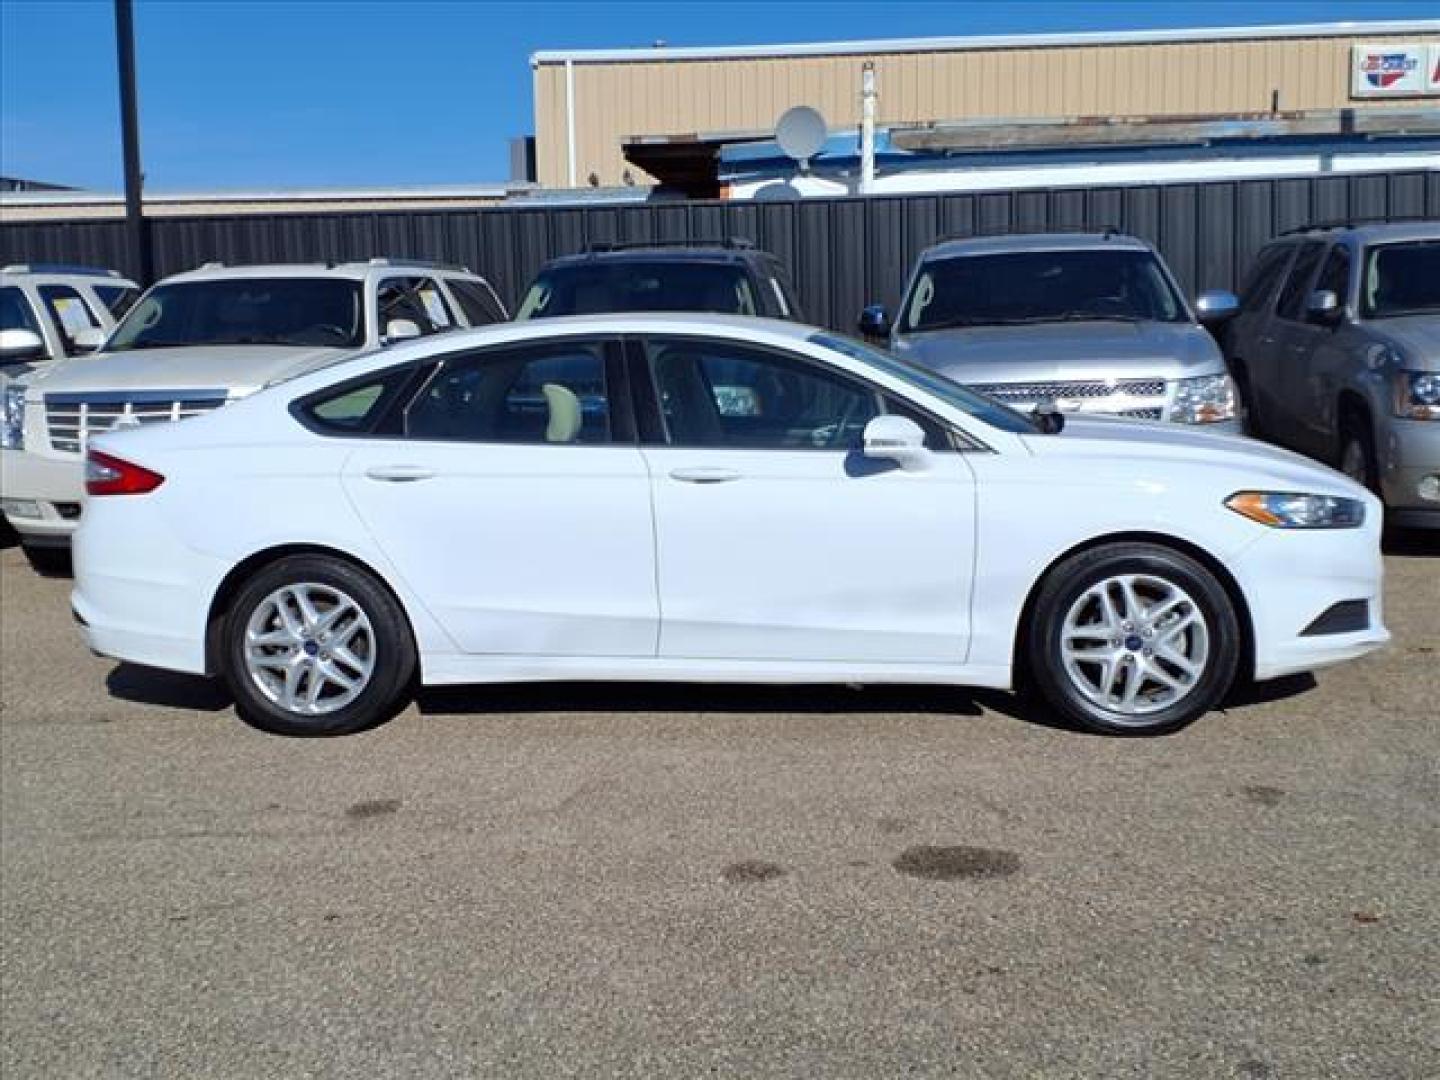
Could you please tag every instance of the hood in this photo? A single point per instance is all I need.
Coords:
(1045, 352)
(1416, 336)
(1272, 467)
(237, 368)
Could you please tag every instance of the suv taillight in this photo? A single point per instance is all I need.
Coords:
(106, 474)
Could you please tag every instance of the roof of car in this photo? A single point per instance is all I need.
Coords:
(1374, 232)
(58, 275)
(1067, 241)
(353, 271)
(661, 253)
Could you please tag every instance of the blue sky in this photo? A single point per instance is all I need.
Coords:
(271, 94)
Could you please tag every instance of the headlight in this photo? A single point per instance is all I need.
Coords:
(12, 421)
(1295, 510)
(1204, 400)
(1417, 395)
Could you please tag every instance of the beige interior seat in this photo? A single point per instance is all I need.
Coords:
(565, 413)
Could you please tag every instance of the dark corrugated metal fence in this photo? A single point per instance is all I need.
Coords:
(844, 253)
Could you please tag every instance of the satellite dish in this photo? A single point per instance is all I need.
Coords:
(801, 133)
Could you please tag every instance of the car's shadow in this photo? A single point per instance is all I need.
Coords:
(172, 690)
(1411, 542)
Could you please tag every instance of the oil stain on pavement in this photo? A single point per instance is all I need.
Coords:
(956, 863)
(750, 872)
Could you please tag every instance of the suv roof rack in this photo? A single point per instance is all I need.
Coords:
(59, 268)
(1335, 223)
(733, 243)
(427, 264)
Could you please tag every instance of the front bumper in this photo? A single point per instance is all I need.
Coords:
(42, 496)
(1293, 577)
(1410, 452)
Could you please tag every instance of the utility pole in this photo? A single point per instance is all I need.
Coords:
(135, 225)
(867, 128)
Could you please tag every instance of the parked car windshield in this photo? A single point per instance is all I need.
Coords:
(1039, 287)
(1401, 279)
(984, 409)
(314, 312)
(635, 285)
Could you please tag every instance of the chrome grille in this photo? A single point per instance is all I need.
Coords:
(71, 419)
(1085, 390)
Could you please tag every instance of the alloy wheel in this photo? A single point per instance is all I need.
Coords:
(310, 648)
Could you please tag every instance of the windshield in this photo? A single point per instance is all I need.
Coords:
(632, 285)
(1401, 279)
(984, 409)
(1040, 286)
(313, 312)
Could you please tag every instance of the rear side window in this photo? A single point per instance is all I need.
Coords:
(118, 298)
(479, 306)
(1260, 285)
(69, 311)
(355, 407)
(1292, 297)
(545, 394)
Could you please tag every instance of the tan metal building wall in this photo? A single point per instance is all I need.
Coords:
(625, 93)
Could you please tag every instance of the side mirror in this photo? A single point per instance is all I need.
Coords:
(21, 345)
(1322, 305)
(400, 330)
(1216, 305)
(89, 339)
(875, 321)
(898, 439)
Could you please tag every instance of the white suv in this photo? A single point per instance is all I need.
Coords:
(200, 339)
(49, 312)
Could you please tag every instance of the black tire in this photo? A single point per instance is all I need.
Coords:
(393, 656)
(50, 561)
(1065, 585)
(1357, 450)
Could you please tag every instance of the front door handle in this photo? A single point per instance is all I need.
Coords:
(704, 475)
(399, 474)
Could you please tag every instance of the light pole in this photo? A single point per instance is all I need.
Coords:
(135, 225)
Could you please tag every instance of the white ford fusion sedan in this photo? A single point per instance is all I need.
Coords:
(652, 497)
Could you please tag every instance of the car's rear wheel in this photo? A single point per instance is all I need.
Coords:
(1133, 639)
(316, 646)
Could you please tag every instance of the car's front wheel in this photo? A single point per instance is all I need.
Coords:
(316, 646)
(1133, 639)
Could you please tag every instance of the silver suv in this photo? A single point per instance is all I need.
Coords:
(1337, 348)
(199, 340)
(1089, 323)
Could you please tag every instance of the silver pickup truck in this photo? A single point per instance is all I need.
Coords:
(1087, 323)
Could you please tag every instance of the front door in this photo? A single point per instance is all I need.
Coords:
(776, 540)
(517, 506)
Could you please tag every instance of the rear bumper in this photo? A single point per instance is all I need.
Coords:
(42, 496)
(1292, 578)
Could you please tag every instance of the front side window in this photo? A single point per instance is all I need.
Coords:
(16, 312)
(68, 311)
(636, 285)
(718, 393)
(555, 394)
(313, 312)
(1335, 274)
(1040, 286)
(416, 300)
(1401, 279)
(1291, 304)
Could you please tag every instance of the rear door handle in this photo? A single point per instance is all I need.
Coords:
(702, 474)
(399, 474)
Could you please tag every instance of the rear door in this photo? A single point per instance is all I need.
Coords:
(776, 540)
(516, 505)
(1271, 362)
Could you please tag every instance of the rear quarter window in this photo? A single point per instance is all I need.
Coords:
(357, 407)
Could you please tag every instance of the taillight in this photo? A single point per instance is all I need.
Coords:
(106, 474)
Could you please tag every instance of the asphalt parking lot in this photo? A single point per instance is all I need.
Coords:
(687, 881)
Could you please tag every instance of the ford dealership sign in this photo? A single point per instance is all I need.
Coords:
(1395, 70)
